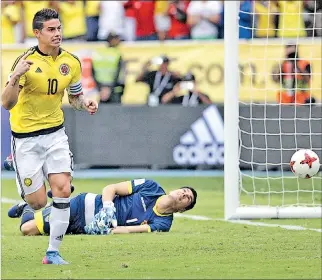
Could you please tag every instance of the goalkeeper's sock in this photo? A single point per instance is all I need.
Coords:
(58, 221)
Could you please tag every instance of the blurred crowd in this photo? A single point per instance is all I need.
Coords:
(136, 20)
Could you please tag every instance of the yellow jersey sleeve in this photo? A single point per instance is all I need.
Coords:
(77, 73)
(129, 187)
(39, 222)
(75, 87)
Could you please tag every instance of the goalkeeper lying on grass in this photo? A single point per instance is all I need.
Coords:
(134, 206)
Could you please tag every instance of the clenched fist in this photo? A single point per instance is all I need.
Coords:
(91, 106)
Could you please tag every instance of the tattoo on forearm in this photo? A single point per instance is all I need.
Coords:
(14, 82)
(77, 102)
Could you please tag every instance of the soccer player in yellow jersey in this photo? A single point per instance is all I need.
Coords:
(10, 16)
(40, 146)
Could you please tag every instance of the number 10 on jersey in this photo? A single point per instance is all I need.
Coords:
(52, 86)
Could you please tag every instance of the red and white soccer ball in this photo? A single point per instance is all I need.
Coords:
(305, 163)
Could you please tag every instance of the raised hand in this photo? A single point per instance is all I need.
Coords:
(23, 65)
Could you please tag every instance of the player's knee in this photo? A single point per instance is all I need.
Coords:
(62, 189)
(60, 186)
(38, 199)
(37, 205)
(62, 192)
(65, 192)
(27, 228)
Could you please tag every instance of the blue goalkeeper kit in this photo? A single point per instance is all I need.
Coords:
(137, 208)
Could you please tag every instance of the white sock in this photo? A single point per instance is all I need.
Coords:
(58, 221)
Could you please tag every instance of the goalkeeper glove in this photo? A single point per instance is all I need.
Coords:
(97, 227)
(103, 221)
(110, 211)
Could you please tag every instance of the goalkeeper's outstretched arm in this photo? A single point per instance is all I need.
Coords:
(131, 229)
(121, 189)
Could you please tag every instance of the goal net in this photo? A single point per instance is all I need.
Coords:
(272, 108)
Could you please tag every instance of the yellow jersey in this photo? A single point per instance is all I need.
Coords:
(73, 19)
(291, 21)
(38, 110)
(30, 8)
(9, 17)
(92, 8)
(265, 18)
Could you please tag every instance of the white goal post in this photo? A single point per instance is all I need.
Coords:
(261, 134)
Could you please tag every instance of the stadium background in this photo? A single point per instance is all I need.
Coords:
(205, 58)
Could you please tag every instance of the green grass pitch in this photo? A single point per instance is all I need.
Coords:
(194, 249)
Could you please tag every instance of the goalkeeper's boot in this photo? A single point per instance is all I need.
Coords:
(8, 163)
(50, 194)
(16, 210)
(53, 257)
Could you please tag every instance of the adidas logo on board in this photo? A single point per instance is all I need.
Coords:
(203, 143)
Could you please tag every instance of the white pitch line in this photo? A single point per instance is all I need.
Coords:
(9, 200)
(193, 217)
(260, 224)
(204, 218)
(246, 222)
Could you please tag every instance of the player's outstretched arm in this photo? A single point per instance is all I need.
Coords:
(9, 97)
(131, 229)
(121, 189)
(79, 102)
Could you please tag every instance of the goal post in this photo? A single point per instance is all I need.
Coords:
(231, 83)
(261, 134)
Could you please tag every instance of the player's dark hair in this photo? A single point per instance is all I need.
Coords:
(193, 202)
(43, 15)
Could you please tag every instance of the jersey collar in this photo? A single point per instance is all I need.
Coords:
(43, 54)
(156, 211)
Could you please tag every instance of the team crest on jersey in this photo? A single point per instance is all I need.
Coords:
(64, 69)
(27, 182)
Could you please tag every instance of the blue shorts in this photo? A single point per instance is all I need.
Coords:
(78, 215)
